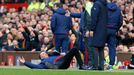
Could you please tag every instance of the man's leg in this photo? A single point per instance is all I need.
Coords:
(68, 58)
(112, 51)
(92, 55)
(95, 58)
(101, 58)
(58, 42)
(78, 58)
(65, 44)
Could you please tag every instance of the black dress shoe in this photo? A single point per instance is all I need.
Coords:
(100, 69)
(90, 68)
(94, 68)
(83, 67)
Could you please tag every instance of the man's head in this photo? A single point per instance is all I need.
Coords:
(14, 31)
(43, 55)
(58, 5)
(46, 40)
(65, 6)
(15, 42)
(34, 1)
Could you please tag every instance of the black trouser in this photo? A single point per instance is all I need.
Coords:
(99, 58)
(91, 52)
(68, 58)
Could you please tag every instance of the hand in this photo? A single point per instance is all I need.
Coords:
(50, 51)
(63, 54)
(70, 32)
(33, 50)
(130, 34)
(44, 49)
(91, 33)
(68, 13)
(22, 60)
(87, 34)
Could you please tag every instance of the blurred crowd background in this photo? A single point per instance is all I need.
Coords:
(28, 29)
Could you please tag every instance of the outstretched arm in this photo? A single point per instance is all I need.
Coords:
(32, 66)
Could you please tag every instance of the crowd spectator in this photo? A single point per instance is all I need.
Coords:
(34, 5)
(12, 1)
(16, 27)
(126, 32)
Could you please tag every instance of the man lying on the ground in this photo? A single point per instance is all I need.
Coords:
(60, 61)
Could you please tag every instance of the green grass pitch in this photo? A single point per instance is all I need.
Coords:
(26, 71)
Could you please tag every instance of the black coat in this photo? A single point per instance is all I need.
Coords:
(99, 17)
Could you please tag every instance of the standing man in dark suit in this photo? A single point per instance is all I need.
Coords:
(60, 26)
(98, 31)
(84, 39)
(115, 21)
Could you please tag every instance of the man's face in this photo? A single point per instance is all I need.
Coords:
(9, 36)
(43, 55)
(40, 36)
(122, 7)
(45, 33)
(73, 37)
(125, 30)
(2, 0)
(46, 40)
(65, 6)
(20, 35)
(14, 31)
(73, 3)
(15, 42)
(34, 22)
(79, 5)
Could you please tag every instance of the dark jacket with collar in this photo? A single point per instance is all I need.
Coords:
(115, 18)
(60, 24)
(99, 20)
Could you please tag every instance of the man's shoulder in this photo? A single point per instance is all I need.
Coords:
(98, 3)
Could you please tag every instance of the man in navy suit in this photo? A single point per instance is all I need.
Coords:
(60, 26)
(115, 21)
(60, 61)
(98, 31)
